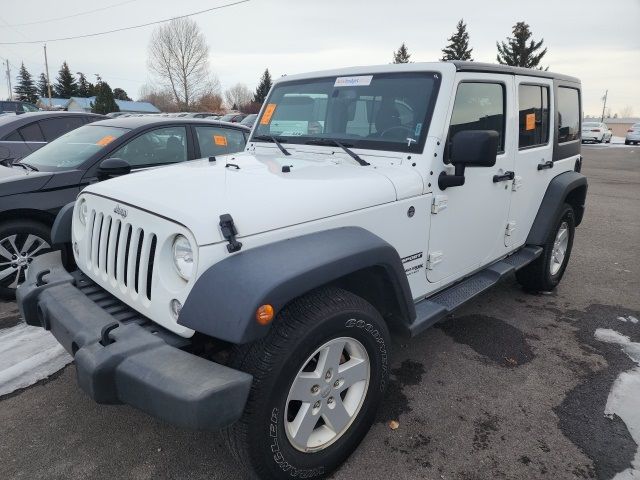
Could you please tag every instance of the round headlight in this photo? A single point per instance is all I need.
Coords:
(183, 257)
(82, 211)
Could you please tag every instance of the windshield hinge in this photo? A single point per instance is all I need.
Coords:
(229, 232)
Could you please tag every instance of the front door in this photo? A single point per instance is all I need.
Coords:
(469, 232)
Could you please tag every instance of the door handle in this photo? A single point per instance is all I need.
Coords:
(542, 166)
(504, 177)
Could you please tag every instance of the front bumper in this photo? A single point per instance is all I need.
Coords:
(122, 357)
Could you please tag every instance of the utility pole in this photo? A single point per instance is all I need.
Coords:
(46, 66)
(9, 80)
(604, 105)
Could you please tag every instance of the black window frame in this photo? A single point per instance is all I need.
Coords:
(548, 88)
(503, 85)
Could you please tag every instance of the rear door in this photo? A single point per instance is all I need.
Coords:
(533, 151)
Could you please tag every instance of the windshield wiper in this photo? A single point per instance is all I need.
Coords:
(331, 141)
(26, 166)
(274, 140)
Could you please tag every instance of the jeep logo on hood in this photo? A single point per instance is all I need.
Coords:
(120, 211)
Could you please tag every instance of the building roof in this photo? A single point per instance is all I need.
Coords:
(55, 102)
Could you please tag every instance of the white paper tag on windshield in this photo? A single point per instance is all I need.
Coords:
(361, 81)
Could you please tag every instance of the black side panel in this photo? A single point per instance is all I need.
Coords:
(557, 192)
(224, 299)
(61, 230)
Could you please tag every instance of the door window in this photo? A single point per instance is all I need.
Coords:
(533, 101)
(160, 146)
(479, 106)
(55, 127)
(218, 141)
(31, 133)
(568, 114)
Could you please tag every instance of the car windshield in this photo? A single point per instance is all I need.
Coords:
(590, 124)
(73, 148)
(389, 111)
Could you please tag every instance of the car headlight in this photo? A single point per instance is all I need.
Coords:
(183, 257)
(82, 211)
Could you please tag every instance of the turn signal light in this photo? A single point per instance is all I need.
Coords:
(264, 314)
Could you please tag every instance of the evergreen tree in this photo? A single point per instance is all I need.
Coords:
(105, 103)
(516, 52)
(263, 88)
(41, 85)
(65, 86)
(26, 91)
(85, 88)
(120, 94)
(458, 48)
(402, 55)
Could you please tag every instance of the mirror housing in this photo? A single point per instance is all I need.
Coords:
(470, 148)
(113, 167)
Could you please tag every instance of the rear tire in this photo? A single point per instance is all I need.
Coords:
(18, 237)
(627, 142)
(270, 439)
(544, 274)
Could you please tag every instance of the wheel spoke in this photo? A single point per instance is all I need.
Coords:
(302, 385)
(5, 253)
(304, 424)
(28, 243)
(352, 372)
(337, 416)
(7, 272)
(12, 242)
(14, 284)
(330, 357)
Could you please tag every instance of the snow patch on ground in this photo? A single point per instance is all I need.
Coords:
(28, 355)
(624, 397)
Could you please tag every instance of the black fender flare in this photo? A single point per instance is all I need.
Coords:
(568, 187)
(224, 299)
(61, 229)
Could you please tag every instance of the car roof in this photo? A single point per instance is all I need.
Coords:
(462, 66)
(14, 121)
(137, 122)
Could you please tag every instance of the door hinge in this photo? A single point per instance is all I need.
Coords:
(433, 259)
(511, 226)
(517, 183)
(229, 232)
(439, 203)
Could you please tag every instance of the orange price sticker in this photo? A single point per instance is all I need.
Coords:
(268, 113)
(220, 140)
(530, 123)
(106, 140)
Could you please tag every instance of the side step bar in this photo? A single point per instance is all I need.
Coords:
(433, 309)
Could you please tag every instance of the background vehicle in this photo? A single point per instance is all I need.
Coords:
(233, 117)
(633, 135)
(21, 135)
(596, 132)
(368, 200)
(33, 190)
(17, 106)
(249, 120)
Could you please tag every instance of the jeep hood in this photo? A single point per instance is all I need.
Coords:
(252, 189)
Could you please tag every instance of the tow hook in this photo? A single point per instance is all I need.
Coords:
(105, 339)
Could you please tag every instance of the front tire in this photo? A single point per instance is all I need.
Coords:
(544, 274)
(319, 377)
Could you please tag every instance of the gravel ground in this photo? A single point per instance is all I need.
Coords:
(514, 386)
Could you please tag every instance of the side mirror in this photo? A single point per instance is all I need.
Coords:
(470, 148)
(113, 167)
(609, 129)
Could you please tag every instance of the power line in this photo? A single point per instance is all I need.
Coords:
(39, 22)
(127, 28)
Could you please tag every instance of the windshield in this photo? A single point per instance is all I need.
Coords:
(388, 111)
(590, 124)
(73, 148)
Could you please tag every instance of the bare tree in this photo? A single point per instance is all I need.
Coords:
(238, 96)
(179, 56)
(162, 98)
(626, 112)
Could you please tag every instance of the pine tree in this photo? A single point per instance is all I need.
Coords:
(263, 88)
(402, 55)
(120, 94)
(41, 85)
(85, 88)
(26, 91)
(516, 52)
(65, 86)
(458, 48)
(105, 103)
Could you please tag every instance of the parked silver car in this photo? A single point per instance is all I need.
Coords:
(633, 135)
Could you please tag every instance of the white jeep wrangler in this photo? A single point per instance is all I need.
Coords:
(256, 291)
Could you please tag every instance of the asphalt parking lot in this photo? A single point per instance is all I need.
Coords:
(514, 386)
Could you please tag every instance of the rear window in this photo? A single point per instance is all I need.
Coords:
(568, 114)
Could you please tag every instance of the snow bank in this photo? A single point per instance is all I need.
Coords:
(624, 397)
(27, 355)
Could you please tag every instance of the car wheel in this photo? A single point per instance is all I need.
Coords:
(627, 142)
(544, 274)
(318, 378)
(20, 242)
